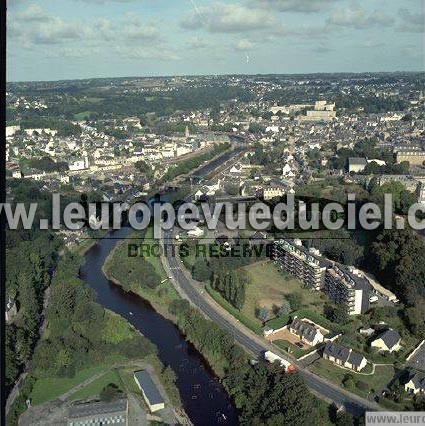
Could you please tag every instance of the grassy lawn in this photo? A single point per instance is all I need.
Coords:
(126, 377)
(268, 287)
(255, 326)
(82, 115)
(294, 350)
(377, 381)
(46, 389)
(94, 388)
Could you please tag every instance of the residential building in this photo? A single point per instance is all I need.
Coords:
(99, 413)
(356, 164)
(305, 264)
(272, 192)
(149, 390)
(77, 164)
(307, 332)
(388, 341)
(345, 357)
(415, 158)
(416, 383)
(345, 285)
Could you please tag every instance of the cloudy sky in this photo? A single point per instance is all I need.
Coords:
(65, 39)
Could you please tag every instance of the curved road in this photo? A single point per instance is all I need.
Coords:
(192, 290)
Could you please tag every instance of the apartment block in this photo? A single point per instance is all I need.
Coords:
(415, 158)
(305, 264)
(343, 285)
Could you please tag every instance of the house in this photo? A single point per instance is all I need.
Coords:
(366, 331)
(388, 341)
(272, 192)
(356, 164)
(258, 237)
(195, 232)
(345, 357)
(287, 171)
(307, 332)
(149, 390)
(416, 383)
(235, 170)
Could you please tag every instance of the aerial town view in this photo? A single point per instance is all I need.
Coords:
(214, 213)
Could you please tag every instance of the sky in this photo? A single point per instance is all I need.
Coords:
(70, 39)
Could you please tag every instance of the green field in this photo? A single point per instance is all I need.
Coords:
(268, 287)
(83, 115)
(93, 389)
(46, 389)
(376, 381)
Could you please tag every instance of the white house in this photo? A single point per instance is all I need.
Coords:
(388, 341)
(416, 383)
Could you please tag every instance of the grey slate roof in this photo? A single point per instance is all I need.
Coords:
(337, 351)
(418, 379)
(97, 408)
(303, 329)
(342, 353)
(149, 387)
(357, 161)
(355, 358)
(390, 338)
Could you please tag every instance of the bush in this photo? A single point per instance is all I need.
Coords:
(201, 271)
(362, 385)
(109, 392)
(179, 307)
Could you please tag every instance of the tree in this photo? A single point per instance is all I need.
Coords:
(200, 270)
(336, 313)
(263, 314)
(348, 381)
(179, 307)
(110, 392)
(344, 419)
(284, 309)
(295, 300)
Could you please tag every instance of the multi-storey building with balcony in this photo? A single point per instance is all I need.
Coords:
(305, 264)
(344, 285)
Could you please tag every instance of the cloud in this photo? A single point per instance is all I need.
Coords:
(322, 49)
(146, 53)
(304, 6)
(135, 29)
(411, 22)
(356, 17)
(369, 44)
(197, 43)
(34, 26)
(244, 45)
(229, 18)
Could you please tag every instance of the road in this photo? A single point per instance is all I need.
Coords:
(194, 292)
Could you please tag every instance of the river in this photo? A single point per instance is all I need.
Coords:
(204, 398)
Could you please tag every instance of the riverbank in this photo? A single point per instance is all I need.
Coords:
(159, 297)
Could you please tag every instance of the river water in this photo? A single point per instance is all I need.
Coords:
(204, 398)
